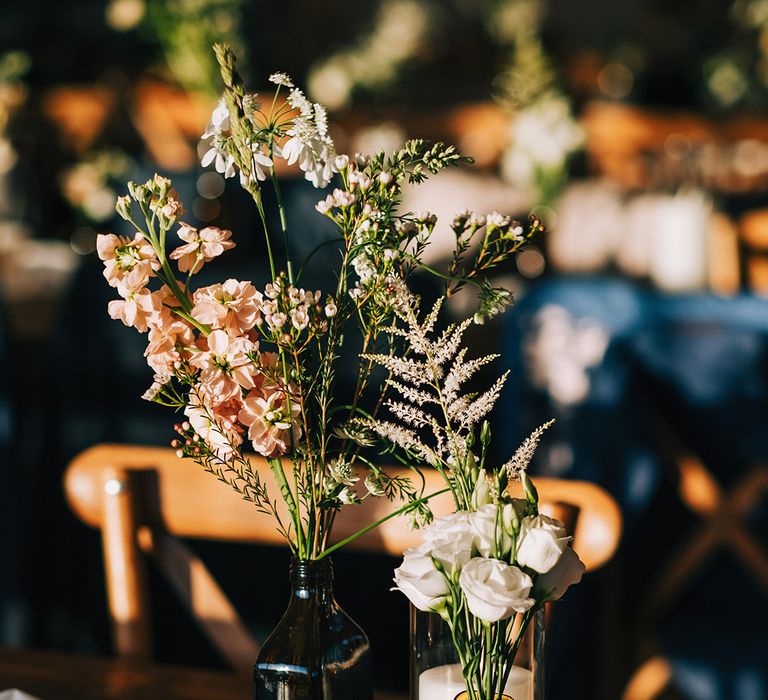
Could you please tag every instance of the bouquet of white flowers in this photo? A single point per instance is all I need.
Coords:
(486, 568)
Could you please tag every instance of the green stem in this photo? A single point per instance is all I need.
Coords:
(263, 216)
(370, 527)
(312, 254)
(205, 330)
(283, 222)
(277, 469)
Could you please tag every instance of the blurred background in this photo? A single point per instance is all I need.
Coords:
(637, 130)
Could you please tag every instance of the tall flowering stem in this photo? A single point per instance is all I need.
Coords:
(254, 369)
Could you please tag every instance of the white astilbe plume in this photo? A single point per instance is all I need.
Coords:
(405, 439)
(428, 387)
(480, 407)
(410, 393)
(409, 413)
(461, 371)
(522, 457)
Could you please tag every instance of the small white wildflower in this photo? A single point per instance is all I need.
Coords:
(321, 121)
(281, 79)
(364, 268)
(341, 162)
(386, 178)
(348, 497)
(374, 486)
(152, 392)
(299, 318)
(497, 220)
(331, 310)
(297, 100)
(461, 218)
(160, 380)
(342, 473)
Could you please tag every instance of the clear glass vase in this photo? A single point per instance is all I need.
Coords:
(436, 671)
(316, 652)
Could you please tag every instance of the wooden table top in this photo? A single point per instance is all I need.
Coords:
(57, 676)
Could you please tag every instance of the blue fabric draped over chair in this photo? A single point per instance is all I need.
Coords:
(623, 368)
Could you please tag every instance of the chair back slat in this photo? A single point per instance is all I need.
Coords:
(201, 595)
(124, 567)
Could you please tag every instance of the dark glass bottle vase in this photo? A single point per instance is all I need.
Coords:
(316, 652)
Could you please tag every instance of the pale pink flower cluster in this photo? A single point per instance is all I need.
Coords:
(272, 419)
(220, 414)
(216, 426)
(234, 306)
(234, 387)
(200, 246)
(226, 366)
(123, 256)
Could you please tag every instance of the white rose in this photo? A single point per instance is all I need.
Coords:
(495, 590)
(452, 552)
(420, 581)
(486, 533)
(447, 526)
(541, 542)
(560, 577)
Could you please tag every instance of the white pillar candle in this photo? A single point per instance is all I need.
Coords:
(446, 682)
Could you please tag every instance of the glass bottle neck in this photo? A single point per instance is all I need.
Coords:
(311, 581)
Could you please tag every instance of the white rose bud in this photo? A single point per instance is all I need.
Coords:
(541, 542)
(490, 540)
(481, 495)
(495, 590)
(513, 513)
(419, 580)
(567, 572)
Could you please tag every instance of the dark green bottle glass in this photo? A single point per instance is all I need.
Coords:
(316, 652)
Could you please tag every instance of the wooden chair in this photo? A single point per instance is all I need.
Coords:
(144, 498)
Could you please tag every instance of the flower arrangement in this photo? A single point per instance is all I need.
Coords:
(255, 368)
(486, 568)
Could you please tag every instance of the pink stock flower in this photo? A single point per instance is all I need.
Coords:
(269, 423)
(234, 306)
(168, 345)
(225, 366)
(161, 315)
(217, 427)
(137, 306)
(200, 247)
(121, 256)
